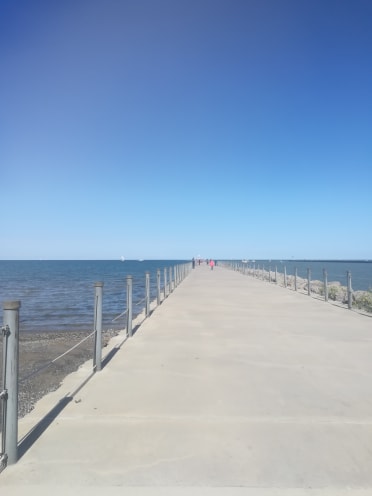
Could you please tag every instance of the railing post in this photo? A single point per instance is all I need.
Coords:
(308, 282)
(349, 291)
(129, 305)
(325, 279)
(3, 395)
(158, 287)
(97, 359)
(147, 309)
(165, 282)
(170, 280)
(10, 380)
(3, 392)
(295, 279)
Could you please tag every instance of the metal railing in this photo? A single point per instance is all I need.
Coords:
(338, 294)
(10, 344)
(9, 390)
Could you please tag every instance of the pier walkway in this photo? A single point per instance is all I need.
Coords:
(233, 386)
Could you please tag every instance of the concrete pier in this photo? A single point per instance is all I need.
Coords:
(233, 386)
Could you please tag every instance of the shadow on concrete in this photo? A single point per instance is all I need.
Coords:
(34, 434)
(135, 328)
(110, 355)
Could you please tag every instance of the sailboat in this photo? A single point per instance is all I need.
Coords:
(122, 258)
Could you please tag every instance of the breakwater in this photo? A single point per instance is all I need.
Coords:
(44, 359)
(325, 285)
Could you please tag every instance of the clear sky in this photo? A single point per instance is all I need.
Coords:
(166, 129)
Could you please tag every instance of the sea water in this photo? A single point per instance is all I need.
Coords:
(59, 294)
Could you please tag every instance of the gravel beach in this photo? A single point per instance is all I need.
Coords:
(37, 350)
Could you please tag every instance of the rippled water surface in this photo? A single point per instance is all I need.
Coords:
(59, 295)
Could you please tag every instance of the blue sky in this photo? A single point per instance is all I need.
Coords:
(165, 129)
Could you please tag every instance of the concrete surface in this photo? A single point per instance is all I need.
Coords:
(232, 386)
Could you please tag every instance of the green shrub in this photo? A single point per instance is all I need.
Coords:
(333, 292)
(364, 301)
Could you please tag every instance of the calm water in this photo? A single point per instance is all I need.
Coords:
(59, 295)
(361, 272)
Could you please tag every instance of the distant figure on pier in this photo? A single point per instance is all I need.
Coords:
(193, 263)
(211, 263)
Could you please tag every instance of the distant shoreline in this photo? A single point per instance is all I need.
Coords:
(316, 260)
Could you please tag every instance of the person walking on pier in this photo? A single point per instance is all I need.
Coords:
(211, 263)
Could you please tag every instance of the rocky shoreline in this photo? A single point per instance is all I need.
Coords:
(361, 300)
